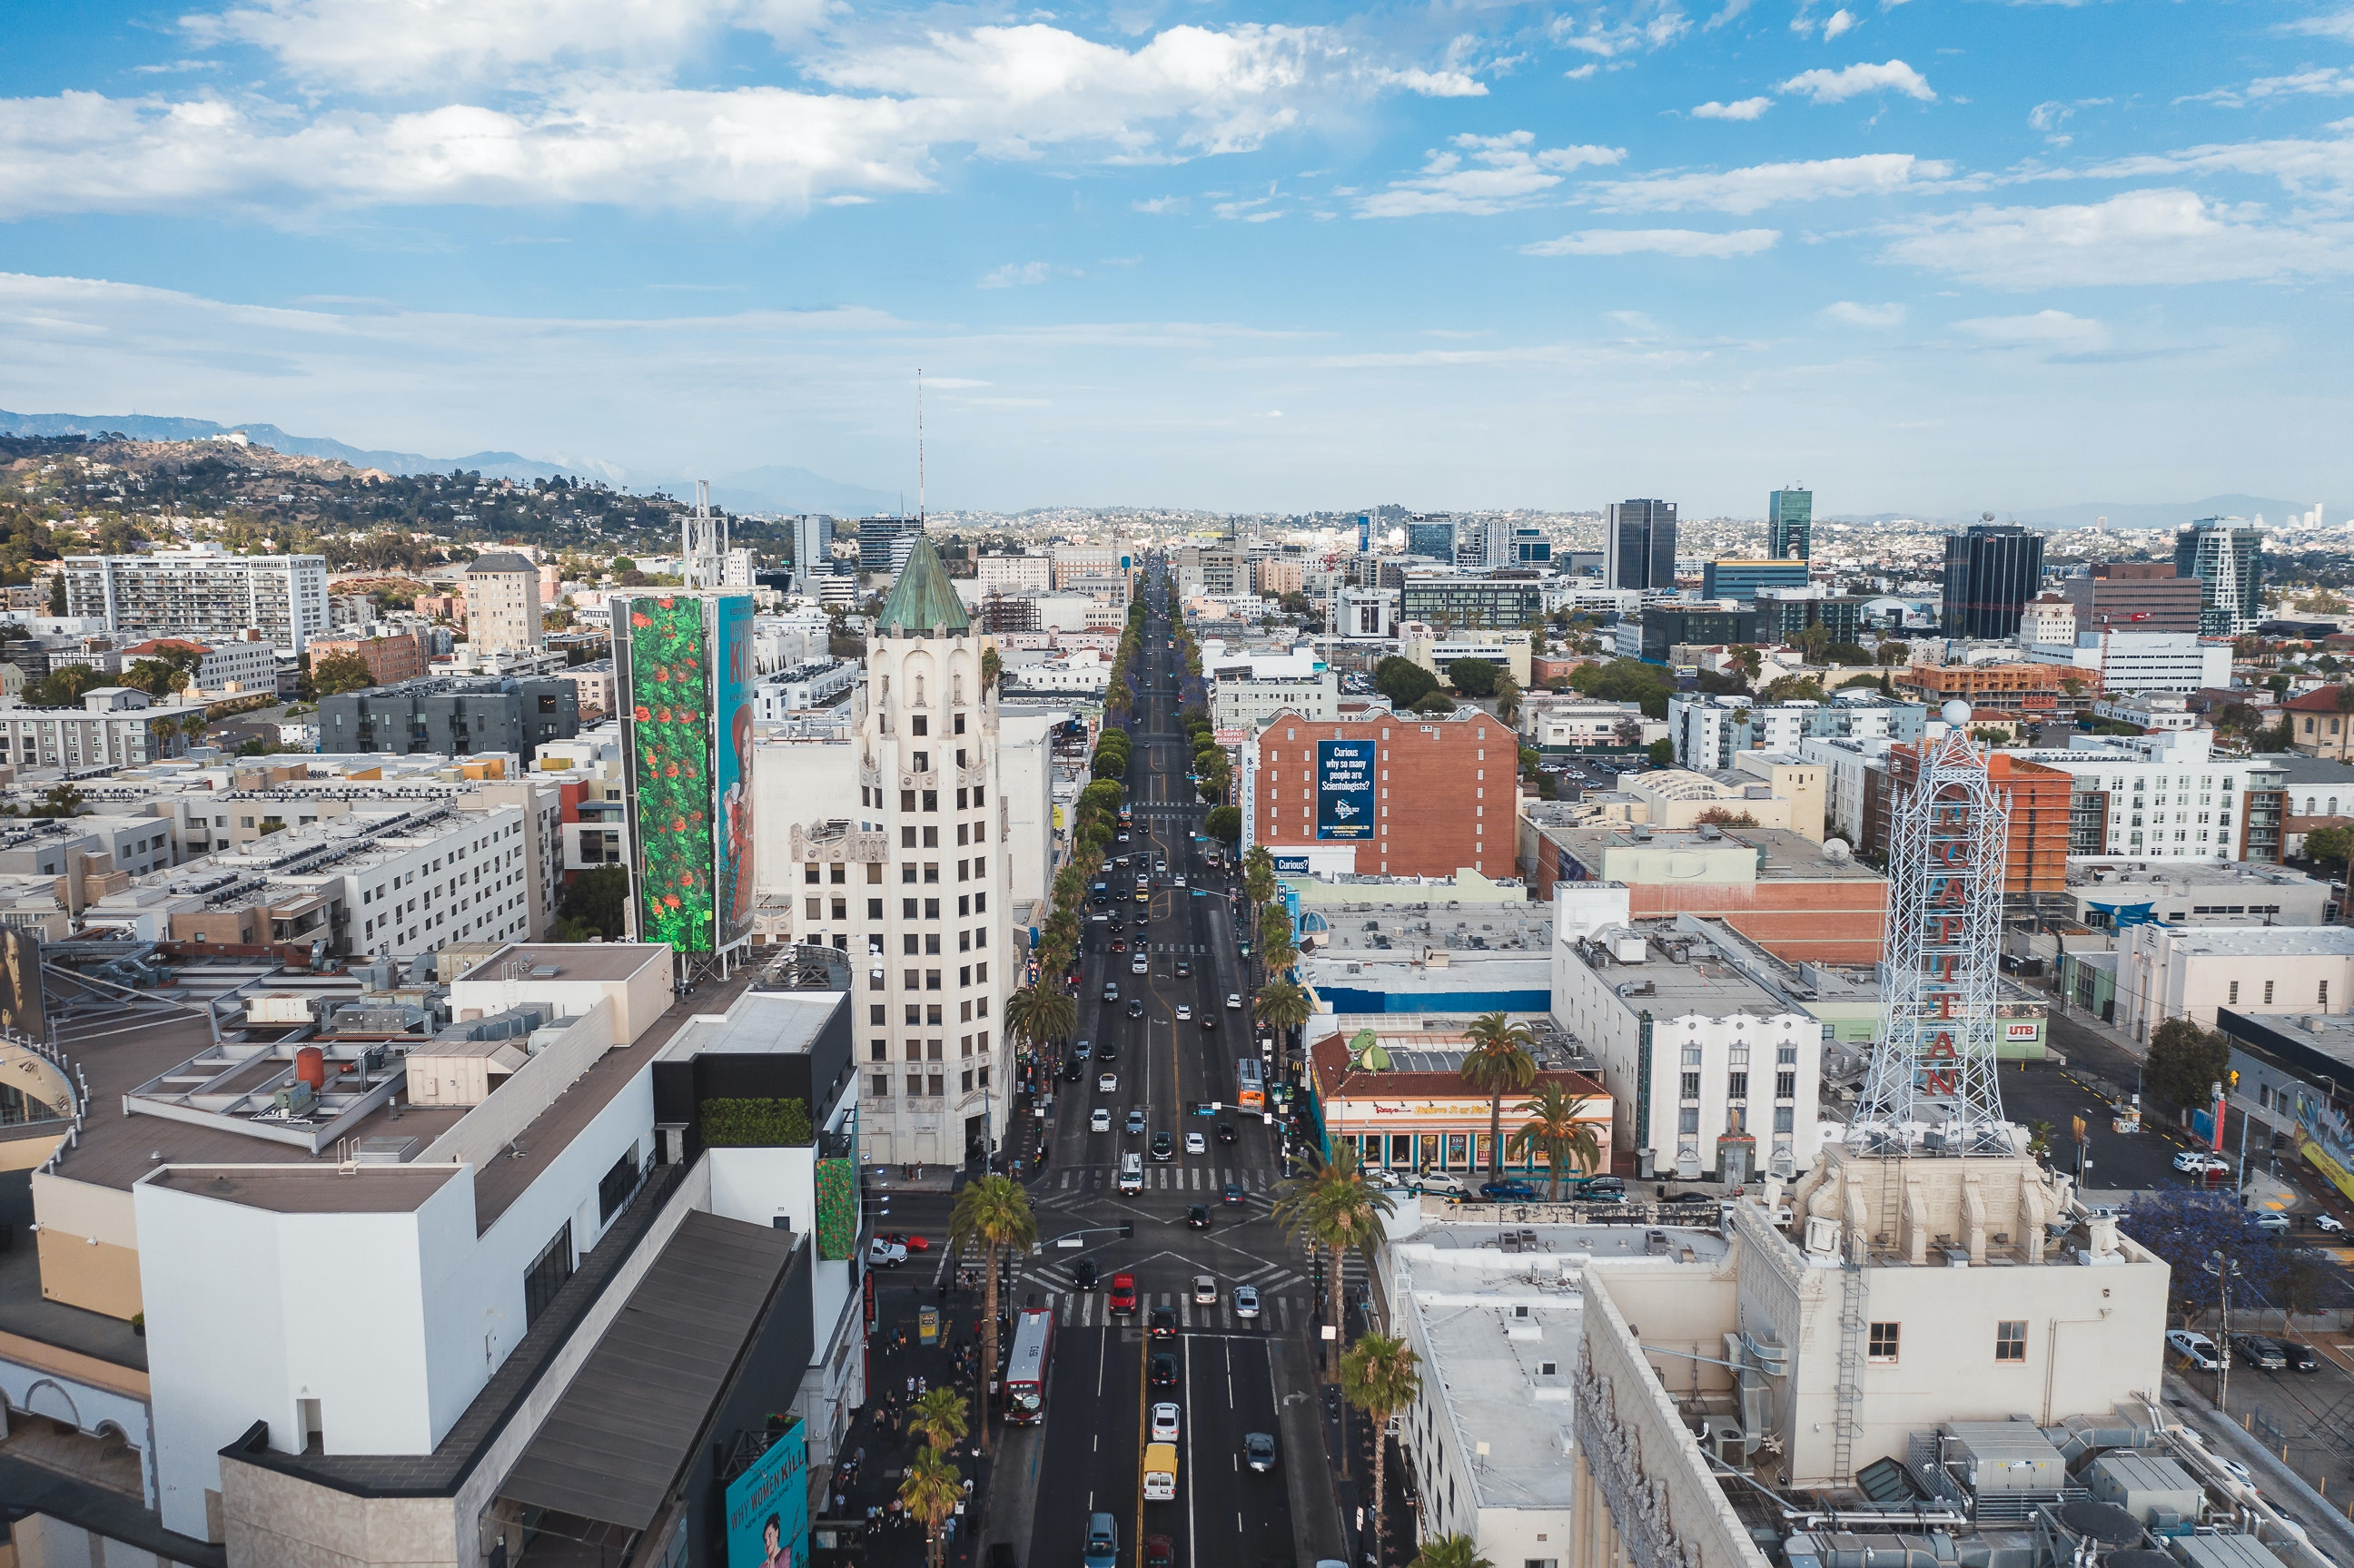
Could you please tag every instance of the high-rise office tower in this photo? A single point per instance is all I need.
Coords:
(1430, 534)
(1640, 545)
(876, 538)
(812, 548)
(1484, 542)
(1790, 524)
(2226, 556)
(1992, 571)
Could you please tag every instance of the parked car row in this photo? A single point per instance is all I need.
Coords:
(2261, 1351)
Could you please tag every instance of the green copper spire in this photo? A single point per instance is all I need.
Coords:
(923, 598)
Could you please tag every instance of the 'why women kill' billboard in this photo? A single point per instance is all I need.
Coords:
(768, 1505)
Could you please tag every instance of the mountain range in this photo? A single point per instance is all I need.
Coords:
(769, 489)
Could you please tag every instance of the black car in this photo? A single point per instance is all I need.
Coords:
(1075, 1069)
(1165, 1370)
(1226, 1132)
(1111, 1052)
(1164, 1323)
(1234, 1192)
(1136, 1007)
(1084, 1272)
(1163, 1146)
(1198, 1216)
(2301, 1358)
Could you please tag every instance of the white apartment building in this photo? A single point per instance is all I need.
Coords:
(238, 666)
(1362, 612)
(1583, 721)
(819, 684)
(2048, 621)
(1734, 1072)
(1074, 562)
(2150, 710)
(1016, 574)
(1245, 703)
(1847, 764)
(1082, 670)
(1434, 652)
(502, 609)
(116, 726)
(913, 881)
(2146, 660)
(202, 592)
(2167, 793)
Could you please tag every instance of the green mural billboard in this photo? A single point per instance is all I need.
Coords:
(665, 669)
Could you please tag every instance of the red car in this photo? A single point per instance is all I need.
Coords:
(1120, 943)
(913, 1244)
(1159, 1551)
(1123, 1293)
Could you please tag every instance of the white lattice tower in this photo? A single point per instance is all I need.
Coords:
(1933, 1075)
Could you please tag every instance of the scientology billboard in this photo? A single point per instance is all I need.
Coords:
(1344, 789)
(684, 664)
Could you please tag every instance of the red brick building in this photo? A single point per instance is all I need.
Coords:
(389, 660)
(2040, 800)
(1440, 794)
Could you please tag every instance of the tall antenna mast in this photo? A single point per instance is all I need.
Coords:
(920, 446)
(1931, 1087)
(699, 552)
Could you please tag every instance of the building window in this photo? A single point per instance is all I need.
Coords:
(2268, 993)
(2010, 1339)
(2234, 998)
(1882, 1343)
(2323, 999)
(547, 1275)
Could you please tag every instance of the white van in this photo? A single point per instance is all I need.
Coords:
(1132, 1172)
(1161, 1472)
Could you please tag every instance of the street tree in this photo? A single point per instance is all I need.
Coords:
(992, 1215)
(1379, 1377)
(1497, 1064)
(1553, 1128)
(941, 1418)
(1333, 1206)
(2186, 1063)
(930, 1490)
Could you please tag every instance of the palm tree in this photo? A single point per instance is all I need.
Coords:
(1334, 1207)
(1042, 1014)
(1508, 700)
(1378, 1377)
(1553, 1127)
(1259, 875)
(930, 1491)
(941, 1418)
(1449, 1552)
(1282, 1005)
(1497, 1063)
(991, 1214)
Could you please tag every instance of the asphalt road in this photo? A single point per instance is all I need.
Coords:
(1235, 1375)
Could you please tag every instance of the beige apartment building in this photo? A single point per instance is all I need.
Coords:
(503, 608)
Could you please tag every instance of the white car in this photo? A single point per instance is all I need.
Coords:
(1246, 1301)
(2194, 1347)
(1139, 965)
(1445, 1182)
(1206, 1292)
(1234, 1002)
(886, 1253)
(2199, 1162)
(1165, 1422)
(1181, 881)
(1378, 1177)
(2272, 1222)
(1183, 1012)
(1196, 1144)
(2331, 1223)
(1107, 1083)
(1100, 1119)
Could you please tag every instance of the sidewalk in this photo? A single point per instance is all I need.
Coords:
(866, 1489)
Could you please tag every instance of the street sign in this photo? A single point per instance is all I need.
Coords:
(1070, 1241)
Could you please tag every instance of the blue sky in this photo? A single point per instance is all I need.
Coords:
(1939, 256)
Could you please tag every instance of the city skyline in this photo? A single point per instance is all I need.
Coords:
(1936, 259)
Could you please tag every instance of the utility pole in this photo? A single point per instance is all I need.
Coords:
(2223, 1269)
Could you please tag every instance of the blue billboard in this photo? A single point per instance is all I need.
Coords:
(732, 763)
(1344, 789)
(768, 1505)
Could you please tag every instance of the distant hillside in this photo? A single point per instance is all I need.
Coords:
(795, 489)
(2173, 514)
(160, 428)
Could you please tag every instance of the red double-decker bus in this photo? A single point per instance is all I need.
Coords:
(1025, 1369)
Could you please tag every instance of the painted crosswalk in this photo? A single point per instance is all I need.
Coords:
(1161, 1178)
(1091, 1308)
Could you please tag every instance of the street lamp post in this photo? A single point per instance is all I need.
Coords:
(2223, 1268)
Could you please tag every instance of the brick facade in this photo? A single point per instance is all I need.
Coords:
(1447, 792)
(2040, 806)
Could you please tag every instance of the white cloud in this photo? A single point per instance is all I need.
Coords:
(2140, 236)
(2304, 166)
(392, 44)
(1011, 93)
(1158, 205)
(1838, 86)
(1651, 25)
(2044, 328)
(1579, 73)
(2326, 81)
(1656, 241)
(2334, 24)
(1841, 20)
(1739, 108)
(1435, 84)
(1483, 175)
(1763, 185)
(1848, 312)
(1017, 274)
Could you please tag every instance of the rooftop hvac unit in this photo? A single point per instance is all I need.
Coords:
(1722, 1437)
(294, 1099)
